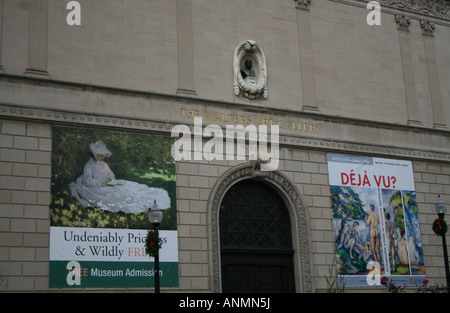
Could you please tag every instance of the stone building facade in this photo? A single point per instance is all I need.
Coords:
(333, 84)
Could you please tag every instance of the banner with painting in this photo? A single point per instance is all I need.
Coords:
(375, 221)
(103, 184)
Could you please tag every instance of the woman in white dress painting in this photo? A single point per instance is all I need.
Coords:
(98, 187)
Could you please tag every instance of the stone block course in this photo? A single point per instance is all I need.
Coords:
(23, 225)
(6, 141)
(12, 155)
(26, 143)
(13, 128)
(23, 169)
(38, 157)
(24, 184)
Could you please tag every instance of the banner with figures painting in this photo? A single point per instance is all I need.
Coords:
(375, 221)
(103, 184)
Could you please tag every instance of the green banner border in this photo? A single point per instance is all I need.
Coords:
(94, 274)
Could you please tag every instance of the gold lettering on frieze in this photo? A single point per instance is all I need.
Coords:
(221, 117)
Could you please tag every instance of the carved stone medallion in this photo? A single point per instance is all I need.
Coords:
(250, 71)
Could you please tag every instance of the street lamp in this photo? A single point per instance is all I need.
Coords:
(441, 209)
(155, 217)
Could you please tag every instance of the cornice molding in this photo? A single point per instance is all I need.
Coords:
(436, 8)
(61, 117)
(106, 90)
(431, 8)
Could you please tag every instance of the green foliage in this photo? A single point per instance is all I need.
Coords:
(440, 227)
(410, 202)
(153, 243)
(335, 283)
(397, 206)
(74, 215)
(136, 157)
(349, 266)
(346, 202)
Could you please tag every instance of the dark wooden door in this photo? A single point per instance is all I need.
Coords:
(256, 243)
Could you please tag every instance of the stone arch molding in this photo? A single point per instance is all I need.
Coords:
(297, 212)
(252, 86)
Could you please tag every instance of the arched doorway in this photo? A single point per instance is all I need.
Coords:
(255, 240)
(297, 212)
